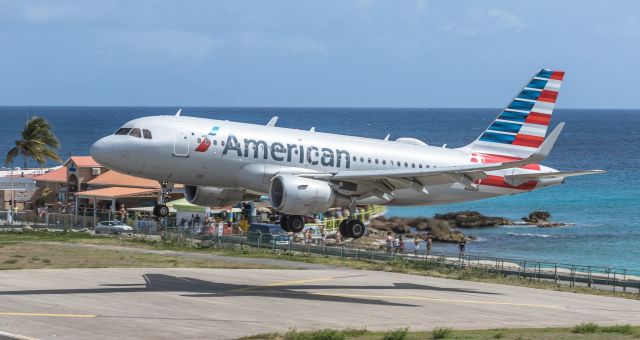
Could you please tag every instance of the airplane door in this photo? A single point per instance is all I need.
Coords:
(180, 142)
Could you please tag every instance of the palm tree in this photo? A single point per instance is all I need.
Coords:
(38, 143)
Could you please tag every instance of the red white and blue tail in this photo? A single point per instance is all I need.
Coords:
(521, 127)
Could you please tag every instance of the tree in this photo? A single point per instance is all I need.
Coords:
(38, 143)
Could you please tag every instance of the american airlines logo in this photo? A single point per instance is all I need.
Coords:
(251, 148)
(205, 142)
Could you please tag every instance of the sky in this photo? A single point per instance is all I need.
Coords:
(326, 53)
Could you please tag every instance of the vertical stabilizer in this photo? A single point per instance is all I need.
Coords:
(521, 127)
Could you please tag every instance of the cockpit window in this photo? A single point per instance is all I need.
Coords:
(135, 133)
(146, 133)
(123, 131)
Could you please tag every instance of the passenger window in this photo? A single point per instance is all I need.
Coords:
(123, 131)
(398, 163)
(215, 142)
(406, 165)
(413, 165)
(354, 158)
(369, 160)
(135, 133)
(146, 133)
(420, 166)
(384, 162)
(376, 161)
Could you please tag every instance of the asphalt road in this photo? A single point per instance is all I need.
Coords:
(228, 303)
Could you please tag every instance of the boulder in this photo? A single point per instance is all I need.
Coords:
(472, 219)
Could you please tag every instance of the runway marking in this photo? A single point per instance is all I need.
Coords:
(283, 283)
(49, 315)
(422, 298)
(16, 336)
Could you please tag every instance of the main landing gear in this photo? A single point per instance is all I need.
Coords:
(161, 209)
(352, 227)
(292, 223)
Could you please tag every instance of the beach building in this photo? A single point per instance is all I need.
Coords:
(17, 187)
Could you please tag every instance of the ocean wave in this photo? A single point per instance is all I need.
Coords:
(529, 235)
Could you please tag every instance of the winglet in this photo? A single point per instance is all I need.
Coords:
(387, 137)
(178, 113)
(273, 121)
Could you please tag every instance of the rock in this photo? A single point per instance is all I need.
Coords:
(440, 230)
(537, 216)
(541, 219)
(472, 219)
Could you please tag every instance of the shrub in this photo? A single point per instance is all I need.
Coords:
(498, 335)
(441, 333)
(585, 328)
(622, 329)
(398, 334)
(324, 334)
(12, 261)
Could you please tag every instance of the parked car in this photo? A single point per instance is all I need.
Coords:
(267, 234)
(112, 227)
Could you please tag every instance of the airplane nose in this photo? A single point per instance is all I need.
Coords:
(101, 151)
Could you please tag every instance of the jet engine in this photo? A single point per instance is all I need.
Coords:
(303, 196)
(212, 196)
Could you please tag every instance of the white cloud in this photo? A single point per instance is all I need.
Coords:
(505, 20)
(160, 45)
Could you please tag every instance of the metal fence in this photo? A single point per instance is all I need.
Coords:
(608, 278)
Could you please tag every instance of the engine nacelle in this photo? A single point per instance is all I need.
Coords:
(212, 196)
(303, 196)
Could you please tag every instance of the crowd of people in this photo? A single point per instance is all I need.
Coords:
(396, 244)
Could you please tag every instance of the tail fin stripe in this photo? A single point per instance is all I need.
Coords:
(514, 116)
(537, 83)
(548, 96)
(538, 118)
(520, 105)
(545, 74)
(529, 94)
(505, 127)
(497, 138)
(533, 130)
(527, 140)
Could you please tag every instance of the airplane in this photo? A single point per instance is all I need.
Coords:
(307, 172)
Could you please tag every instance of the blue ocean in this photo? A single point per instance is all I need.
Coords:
(603, 210)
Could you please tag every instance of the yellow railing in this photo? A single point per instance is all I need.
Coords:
(363, 215)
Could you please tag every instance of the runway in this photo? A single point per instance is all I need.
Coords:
(228, 303)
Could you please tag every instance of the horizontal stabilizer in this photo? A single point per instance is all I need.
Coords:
(534, 176)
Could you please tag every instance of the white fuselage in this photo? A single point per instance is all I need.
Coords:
(246, 157)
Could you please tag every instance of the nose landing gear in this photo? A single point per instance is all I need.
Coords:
(161, 209)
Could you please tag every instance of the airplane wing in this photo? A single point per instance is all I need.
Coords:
(466, 174)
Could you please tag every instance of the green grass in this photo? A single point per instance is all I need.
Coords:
(426, 268)
(597, 332)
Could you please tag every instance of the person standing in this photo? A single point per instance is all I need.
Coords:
(462, 247)
(401, 245)
(396, 244)
(389, 242)
(429, 244)
(416, 245)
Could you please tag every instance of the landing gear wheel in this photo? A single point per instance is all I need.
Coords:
(295, 223)
(344, 228)
(284, 222)
(160, 210)
(356, 228)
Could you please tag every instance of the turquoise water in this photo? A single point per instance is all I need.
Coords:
(604, 210)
